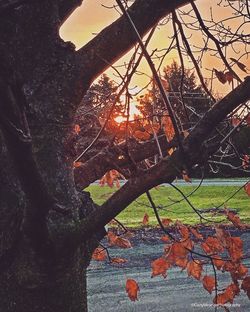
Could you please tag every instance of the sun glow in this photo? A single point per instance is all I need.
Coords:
(133, 112)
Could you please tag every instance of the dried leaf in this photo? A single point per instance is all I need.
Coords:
(221, 76)
(166, 221)
(218, 262)
(240, 65)
(247, 188)
(165, 238)
(132, 289)
(194, 268)
(208, 283)
(159, 267)
(145, 219)
(99, 254)
(228, 295)
(246, 285)
(235, 248)
(168, 127)
(234, 219)
(118, 241)
(195, 233)
(77, 164)
(245, 161)
(118, 260)
(212, 245)
(229, 76)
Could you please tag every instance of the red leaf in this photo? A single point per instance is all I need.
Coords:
(168, 127)
(118, 260)
(115, 240)
(234, 219)
(212, 245)
(77, 164)
(99, 254)
(218, 262)
(229, 76)
(247, 188)
(166, 221)
(132, 289)
(194, 268)
(245, 161)
(195, 233)
(208, 283)
(228, 295)
(145, 219)
(246, 285)
(159, 267)
(165, 238)
(235, 248)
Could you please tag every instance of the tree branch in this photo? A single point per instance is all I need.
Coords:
(118, 38)
(166, 170)
(66, 7)
(115, 157)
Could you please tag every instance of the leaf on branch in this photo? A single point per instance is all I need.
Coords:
(208, 283)
(246, 285)
(145, 219)
(234, 219)
(195, 233)
(212, 245)
(168, 127)
(218, 262)
(111, 178)
(229, 76)
(194, 268)
(165, 238)
(166, 221)
(132, 289)
(235, 248)
(99, 254)
(247, 188)
(115, 240)
(228, 295)
(220, 76)
(239, 64)
(159, 267)
(239, 272)
(235, 121)
(183, 229)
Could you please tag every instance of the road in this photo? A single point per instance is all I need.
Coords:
(178, 292)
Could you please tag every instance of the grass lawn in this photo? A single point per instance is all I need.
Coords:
(168, 199)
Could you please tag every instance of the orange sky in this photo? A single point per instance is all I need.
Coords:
(92, 17)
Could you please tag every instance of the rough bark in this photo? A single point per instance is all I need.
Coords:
(54, 78)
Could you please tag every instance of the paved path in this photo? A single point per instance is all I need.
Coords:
(176, 293)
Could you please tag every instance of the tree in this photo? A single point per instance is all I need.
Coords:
(48, 228)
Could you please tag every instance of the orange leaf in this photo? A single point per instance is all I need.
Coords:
(247, 188)
(195, 233)
(235, 248)
(118, 260)
(165, 238)
(194, 268)
(234, 219)
(168, 127)
(122, 242)
(228, 295)
(159, 267)
(145, 219)
(212, 245)
(166, 221)
(246, 285)
(132, 289)
(208, 283)
(99, 254)
(218, 262)
(239, 272)
(183, 229)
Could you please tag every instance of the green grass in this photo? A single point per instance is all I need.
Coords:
(204, 197)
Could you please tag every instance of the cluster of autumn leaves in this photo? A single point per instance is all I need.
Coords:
(191, 250)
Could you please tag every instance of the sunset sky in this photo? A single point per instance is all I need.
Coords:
(92, 17)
